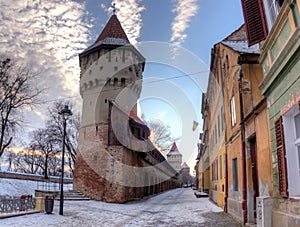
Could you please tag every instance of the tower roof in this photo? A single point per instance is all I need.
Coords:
(174, 150)
(185, 166)
(114, 30)
(112, 34)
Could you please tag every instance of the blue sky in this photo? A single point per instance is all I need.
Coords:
(49, 35)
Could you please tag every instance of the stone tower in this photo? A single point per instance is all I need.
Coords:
(115, 161)
(174, 157)
(107, 67)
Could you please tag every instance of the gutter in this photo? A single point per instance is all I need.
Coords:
(241, 61)
(243, 145)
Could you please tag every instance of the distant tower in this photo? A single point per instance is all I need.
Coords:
(174, 157)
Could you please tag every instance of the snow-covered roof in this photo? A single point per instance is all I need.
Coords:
(241, 46)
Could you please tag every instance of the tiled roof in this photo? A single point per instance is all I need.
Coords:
(132, 115)
(174, 150)
(113, 29)
(112, 34)
(242, 47)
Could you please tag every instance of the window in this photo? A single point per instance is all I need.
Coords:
(253, 11)
(290, 135)
(271, 11)
(219, 128)
(221, 167)
(115, 81)
(122, 82)
(235, 174)
(233, 112)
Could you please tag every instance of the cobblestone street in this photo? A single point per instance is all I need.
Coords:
(178, 207)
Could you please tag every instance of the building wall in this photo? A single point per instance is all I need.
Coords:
(281, 86)
(115, 173)
(175, 161)
(216, 132)
(234, 200)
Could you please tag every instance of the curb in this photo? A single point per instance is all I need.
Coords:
(18, 214)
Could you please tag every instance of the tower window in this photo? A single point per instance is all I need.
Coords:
(115, 81)
(122, 82)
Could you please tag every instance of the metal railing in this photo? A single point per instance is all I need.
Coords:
(52, 186)
(16, 204)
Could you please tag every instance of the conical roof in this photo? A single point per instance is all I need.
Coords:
(174, 150)
(185, 166)
(113, 29)
(112, 34)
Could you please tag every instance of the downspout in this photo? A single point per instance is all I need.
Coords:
(225, 139)
(243, 145)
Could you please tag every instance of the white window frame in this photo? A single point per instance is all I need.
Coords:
(292, 154)
(233, 111)
(271, 11)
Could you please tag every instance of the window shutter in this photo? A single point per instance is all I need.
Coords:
(281, 158)
(256, 26)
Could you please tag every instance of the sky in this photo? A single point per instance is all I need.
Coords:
(49, 34)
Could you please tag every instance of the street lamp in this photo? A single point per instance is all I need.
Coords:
(66, 113)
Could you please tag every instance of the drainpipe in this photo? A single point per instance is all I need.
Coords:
(243, 143)
(225, 139)
(242, 61)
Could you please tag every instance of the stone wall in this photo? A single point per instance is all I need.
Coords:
(117, 174)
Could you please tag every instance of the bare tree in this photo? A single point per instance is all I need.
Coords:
(9, 158)
(160, 135)
(47, 145)
(26, 161)
(17, 92)
(44, 151)
(55, 128)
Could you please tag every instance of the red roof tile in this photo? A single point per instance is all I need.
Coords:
(131, 114)
(174, 147)
(113, 29)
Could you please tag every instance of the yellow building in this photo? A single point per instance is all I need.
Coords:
(240, 158)
(277, 30)
(203, 167)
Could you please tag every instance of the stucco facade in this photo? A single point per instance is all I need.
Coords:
(240, 158)
(280, 55)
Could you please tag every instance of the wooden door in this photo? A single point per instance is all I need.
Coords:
(254, 173)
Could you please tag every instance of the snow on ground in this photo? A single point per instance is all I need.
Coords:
(16, 187)
(177, 207)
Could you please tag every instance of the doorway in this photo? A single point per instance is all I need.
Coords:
(254, 170)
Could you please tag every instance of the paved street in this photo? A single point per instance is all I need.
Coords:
(178, 207)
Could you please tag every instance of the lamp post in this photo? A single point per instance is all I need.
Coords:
(66, 113)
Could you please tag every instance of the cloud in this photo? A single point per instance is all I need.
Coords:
(184, 10)
(48, 36)
(129, 12)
